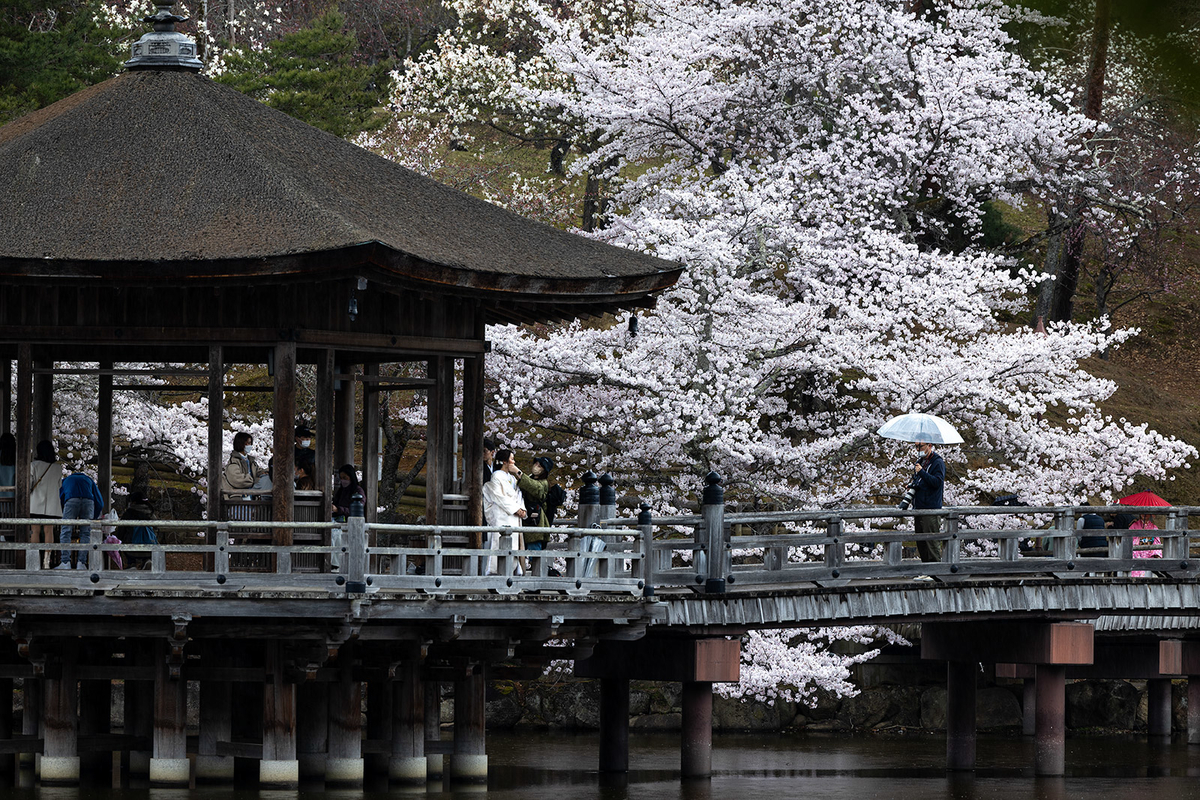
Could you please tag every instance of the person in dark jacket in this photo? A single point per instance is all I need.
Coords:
(929, 480)
(343, 495)
(81, 500)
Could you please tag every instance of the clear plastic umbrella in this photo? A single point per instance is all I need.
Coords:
(920, 428)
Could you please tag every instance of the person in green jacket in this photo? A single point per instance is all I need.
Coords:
(534, 486)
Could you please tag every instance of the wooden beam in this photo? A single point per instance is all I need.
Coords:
(325, 432)
(24, 436)
(1022, 642)
(343, 422)
(473, 433)
(370, 465)
(43, 400)
(216, 414)
(104, 440)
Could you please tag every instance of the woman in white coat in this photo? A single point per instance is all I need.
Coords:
(45, 482)
(503, 506)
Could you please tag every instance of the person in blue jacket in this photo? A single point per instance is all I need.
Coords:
(80, 500)
(929, 481)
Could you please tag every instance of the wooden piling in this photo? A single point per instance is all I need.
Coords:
(344, 763)
(469, 763)
(960, 715)
(614, 725)
(1158, 708)
(435, 763)
(408, 765)
(278, 768)
(1050, 734)
(216, 719)
(696, 745)
(312, 729)
(60, 725)
(169, 765)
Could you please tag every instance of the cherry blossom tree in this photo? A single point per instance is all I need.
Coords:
(822, 169)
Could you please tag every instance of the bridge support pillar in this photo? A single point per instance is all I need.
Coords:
(139, 707)
(33, 692)
(1050, 735)
(696, 746)
(1029, 707)
(469, 763)
(169, 765)
(434, 762)
(614, 724)
(960, 715)
(379, 725)
(408, 765)
(1158, 708)
(216, 719)
(279, 768)
(60, 726)
(344, 765)
(312, 729)
(95, 717)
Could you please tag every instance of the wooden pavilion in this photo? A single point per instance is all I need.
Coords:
(162, 217)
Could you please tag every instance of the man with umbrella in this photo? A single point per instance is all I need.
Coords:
(930, 477)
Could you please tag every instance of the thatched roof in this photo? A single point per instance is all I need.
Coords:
(167, 176)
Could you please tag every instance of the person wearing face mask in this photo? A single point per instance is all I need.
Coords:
(929, 480)
(243, 472)
(343, 495)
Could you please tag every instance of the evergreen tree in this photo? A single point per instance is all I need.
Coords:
(312, 75)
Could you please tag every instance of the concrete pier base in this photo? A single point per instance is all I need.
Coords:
(170, 772)
(468, 768)
(344, 771)
(408, 770)
(60, 770)
(469, 762)
(279, 774)
(434, 763)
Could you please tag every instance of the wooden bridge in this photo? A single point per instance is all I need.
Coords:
(282, 639)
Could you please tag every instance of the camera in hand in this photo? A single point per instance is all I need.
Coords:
(907, 499)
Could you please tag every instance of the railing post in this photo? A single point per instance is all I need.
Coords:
(835, 549)
(608, 510)
(1174, 540)
(356, 546)
(221, 562)
(950, 553)
(646, 567)
(1062, 547)
(715, 543)
(589, 513)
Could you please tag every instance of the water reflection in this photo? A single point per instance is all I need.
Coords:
(775, 767)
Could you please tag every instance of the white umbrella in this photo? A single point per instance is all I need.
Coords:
(920, 428)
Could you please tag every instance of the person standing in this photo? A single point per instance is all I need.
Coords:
(81, 500)
(489, 456)
(503, 506)
(929, 481)
(534, 488)
(45, 476)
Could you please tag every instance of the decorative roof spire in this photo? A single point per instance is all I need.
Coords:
(164, 47)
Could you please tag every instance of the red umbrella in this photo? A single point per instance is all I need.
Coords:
(1143, 499)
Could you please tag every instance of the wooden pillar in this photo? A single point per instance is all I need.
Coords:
(60, 722)
(435, 763)
(325, 433)
(1158, 708)
(379, 724)
(439, 448)
(7, 762)
(370, 465)
(104, 441)
(216, 717)
(473, 433)
(43, 399)
(696, 746)
(95, 718)
(344, 764)
(25, 444)
(139, 709)
(33, 692)
(1029, 707)
(5, 395)
(279, 768)
(216, 441)
(614, 724)
(407, 764)
(960, 715)
(469, 763)
(343, 418)
(312, 729)
(284, 452)
(1050, 735)
(169, 765)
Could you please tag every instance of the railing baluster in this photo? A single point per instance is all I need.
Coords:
(952, 549)
(835, 548)
(221, 562)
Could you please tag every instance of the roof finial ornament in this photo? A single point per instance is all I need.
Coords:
(164, 47)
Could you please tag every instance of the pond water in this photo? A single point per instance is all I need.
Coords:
(562, 766)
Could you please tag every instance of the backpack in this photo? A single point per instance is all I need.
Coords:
(556, 496)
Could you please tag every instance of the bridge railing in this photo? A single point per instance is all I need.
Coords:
(244, 555)
(715, 552)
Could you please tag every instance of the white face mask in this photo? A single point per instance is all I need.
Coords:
(306, 443)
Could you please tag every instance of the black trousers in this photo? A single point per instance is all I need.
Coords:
(929, 551)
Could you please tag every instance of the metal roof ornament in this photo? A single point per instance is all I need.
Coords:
(164, 47)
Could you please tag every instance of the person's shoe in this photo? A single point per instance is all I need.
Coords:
(82, 564)
(63, 565)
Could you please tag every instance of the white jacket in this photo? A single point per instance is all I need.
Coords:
(44, 499)
(502, 500)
